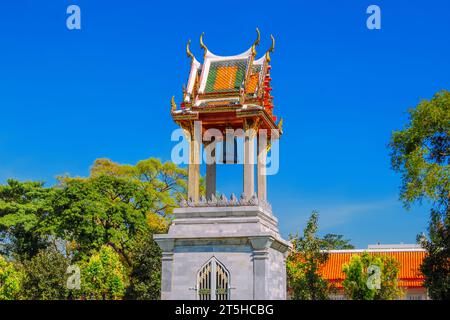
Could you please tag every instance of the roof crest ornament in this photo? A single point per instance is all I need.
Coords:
(173, 104)
(280, 125)
(271, 49)
(202, 45)
(258, 39)
(188, 51)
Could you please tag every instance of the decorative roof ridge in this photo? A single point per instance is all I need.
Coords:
(245, 54)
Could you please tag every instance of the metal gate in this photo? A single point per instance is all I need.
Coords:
(213, 281)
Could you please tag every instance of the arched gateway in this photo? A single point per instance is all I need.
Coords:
(219, 248)
(213, 281)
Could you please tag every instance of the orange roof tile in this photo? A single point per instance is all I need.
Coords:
(409, 275)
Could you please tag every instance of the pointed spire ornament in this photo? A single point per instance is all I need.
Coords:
(213, 200)
(253, 200)
(183, 203)
(243, 200)
(202, 202)
(233, 200)
(223, 201)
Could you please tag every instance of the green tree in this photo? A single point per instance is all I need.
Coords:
(23, 207)
(103, 277)
(115, 205)
(358, 283)
(421, 154)
(333, 241)
(304, 263)
(45, 276)
(145, 277)
(10, 280)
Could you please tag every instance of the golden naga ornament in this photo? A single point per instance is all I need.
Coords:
(280, 125)
(173, 104)
(188, 50)
(202, 45)
(258, 39)
(271, 49)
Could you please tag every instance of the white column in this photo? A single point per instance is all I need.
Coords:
(194, 162)
(261, 167)
(249, 161)
(211, 170)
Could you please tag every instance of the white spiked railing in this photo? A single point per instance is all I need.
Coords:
(223, 201)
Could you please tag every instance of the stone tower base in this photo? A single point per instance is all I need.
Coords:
(244, 240)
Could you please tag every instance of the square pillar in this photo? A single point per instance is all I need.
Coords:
(167, 246)
(249, 161)
(210, 151)
(194, 162)
(261, 166)
(261, 247)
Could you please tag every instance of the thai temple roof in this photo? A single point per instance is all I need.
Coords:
(238, 81)
(409, 260)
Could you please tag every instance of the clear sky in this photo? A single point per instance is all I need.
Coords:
(69, 97)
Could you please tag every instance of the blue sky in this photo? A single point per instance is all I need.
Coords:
(69, 97)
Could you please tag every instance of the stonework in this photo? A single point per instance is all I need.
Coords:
(246, 241)
(220, 248)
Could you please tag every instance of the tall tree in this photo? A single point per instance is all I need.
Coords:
(23, 208)
(45, 275)
(333, 241)
(371, 277)
(145, 276)
(116, 205)
(304, 262)
(421, 154)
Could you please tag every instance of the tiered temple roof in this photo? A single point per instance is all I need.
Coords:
(222, 84)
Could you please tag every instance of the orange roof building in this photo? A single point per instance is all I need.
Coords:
(410, 258)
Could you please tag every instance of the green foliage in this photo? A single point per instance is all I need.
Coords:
(304, 262)
(164, 183)
(145, 279)
(45, 276)
(115, 205)
(23, 207)
(10, 280)
(118, 207)
(103, 276)
(357, 277)
(436, 265)
(421, 154)
(336, 242)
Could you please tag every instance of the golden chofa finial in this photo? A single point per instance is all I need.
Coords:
(173, 104)
(258, 39)
(280, 125)
(202, 45)
(271, 49)
(188, 50)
